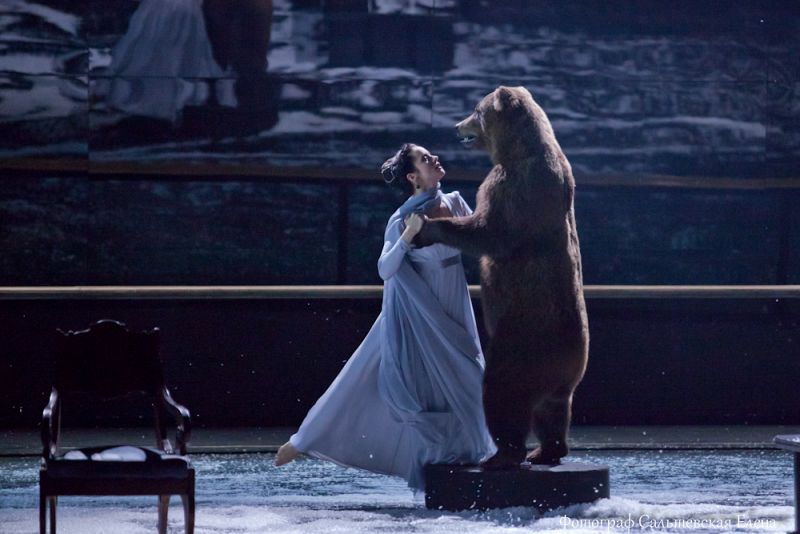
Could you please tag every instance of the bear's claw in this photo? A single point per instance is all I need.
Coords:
(500, 462)
(538, 457)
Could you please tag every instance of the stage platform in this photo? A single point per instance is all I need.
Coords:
(26, 441)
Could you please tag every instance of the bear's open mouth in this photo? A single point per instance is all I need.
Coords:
(468, 140)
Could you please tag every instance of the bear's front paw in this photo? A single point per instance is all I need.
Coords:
(426, 236)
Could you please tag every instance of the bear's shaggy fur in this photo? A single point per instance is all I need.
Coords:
(523, 229)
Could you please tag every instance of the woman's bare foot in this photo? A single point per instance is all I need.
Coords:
(286, 454)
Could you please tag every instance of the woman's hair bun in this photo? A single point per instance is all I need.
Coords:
(389, 170)
(395, 169)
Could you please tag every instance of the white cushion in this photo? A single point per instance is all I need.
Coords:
(123, 453)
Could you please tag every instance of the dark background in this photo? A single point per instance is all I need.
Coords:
(255, 362)
(681, 121)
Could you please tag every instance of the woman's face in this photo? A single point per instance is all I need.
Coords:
(427, 169)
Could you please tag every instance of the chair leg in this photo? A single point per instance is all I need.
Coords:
(163, 509)
(53, 503)
(42, 511)
(188, 511)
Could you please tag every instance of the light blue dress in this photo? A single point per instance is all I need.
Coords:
(411, 393)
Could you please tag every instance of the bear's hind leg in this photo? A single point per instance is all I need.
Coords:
(551, 420)
(503, 403)
(507, 398)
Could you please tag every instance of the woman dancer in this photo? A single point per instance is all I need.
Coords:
(163, 63)
(411, 393)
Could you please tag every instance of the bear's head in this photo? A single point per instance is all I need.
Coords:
(508, 124)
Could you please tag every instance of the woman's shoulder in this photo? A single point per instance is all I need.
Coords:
(454, 197)
(457, 201)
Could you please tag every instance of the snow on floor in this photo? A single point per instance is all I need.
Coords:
(669, 491)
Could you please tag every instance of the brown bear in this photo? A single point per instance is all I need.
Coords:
(523, 229)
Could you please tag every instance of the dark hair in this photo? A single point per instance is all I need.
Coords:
(395, 169)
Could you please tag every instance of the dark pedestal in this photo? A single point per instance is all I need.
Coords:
(792, 443)
(454, 487)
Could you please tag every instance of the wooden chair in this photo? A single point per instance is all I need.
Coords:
(791, 443)
(105, 361)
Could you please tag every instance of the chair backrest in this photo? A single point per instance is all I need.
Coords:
(108, 360)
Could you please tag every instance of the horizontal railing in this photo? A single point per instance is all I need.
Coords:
(375, 291)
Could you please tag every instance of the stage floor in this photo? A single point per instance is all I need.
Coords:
(651, 490)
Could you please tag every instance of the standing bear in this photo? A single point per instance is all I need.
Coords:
(523, 229)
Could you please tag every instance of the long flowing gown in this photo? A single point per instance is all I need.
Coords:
(411, 393)
(163, 63)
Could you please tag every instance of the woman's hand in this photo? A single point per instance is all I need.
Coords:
(414, 224)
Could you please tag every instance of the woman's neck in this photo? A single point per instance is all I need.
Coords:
(420, 191)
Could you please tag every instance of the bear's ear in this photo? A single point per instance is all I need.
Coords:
(504, 98)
